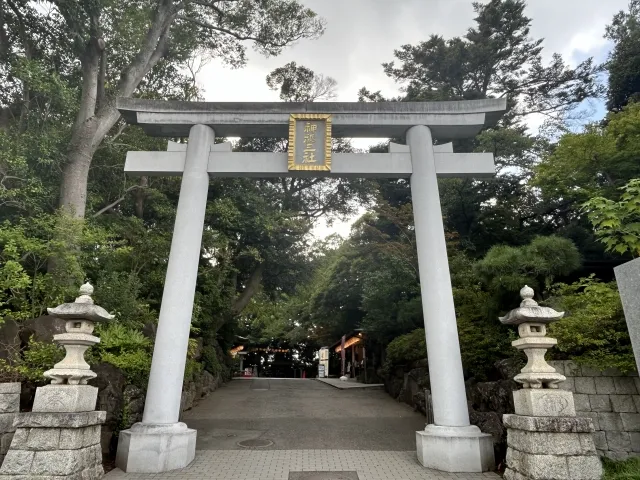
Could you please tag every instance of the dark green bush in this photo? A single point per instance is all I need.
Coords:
(594, 331)
(30, 364)
(407, 348)
(210, 360)
(127, 349)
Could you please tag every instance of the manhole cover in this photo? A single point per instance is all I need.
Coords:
(255, 443)
(323, 476)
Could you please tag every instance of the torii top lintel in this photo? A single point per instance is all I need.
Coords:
(447, 120)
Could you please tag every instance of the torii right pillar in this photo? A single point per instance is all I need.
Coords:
(451, 444)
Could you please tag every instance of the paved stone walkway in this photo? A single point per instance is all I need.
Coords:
(278, 464)
(342, 385)
(313, 427)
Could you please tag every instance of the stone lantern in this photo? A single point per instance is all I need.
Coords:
(60, 437)
(532, 321)
(545, 438)
(73, 370)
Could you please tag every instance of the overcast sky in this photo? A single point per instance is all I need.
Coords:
(361, 34)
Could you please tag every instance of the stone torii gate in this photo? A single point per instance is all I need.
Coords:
(160, 442)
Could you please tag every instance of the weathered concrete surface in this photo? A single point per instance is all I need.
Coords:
(266, 464)
(447, 120)
(343, 165)
(55, 445)
(455, 449)
(299, 414)
(349, 384)
(155, 448)
(65, 398)
(544, 402)
(628, 279)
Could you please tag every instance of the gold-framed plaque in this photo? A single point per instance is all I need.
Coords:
(310, 141)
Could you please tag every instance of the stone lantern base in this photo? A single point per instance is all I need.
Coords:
(541, 448)
(55, 445)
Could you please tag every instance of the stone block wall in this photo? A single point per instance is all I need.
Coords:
(50, 446)
(612, 400)
(9, 408)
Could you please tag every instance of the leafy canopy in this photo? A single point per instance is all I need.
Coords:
(624, 60)
(593, 331)
(617, 224)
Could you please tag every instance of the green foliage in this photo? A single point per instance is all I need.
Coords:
(119, 293)
(621, 470)
(624, 59)
(497, 58)
(594, 331)
(210, 361)
(483, 340)
(617, 224)
(127, 349)
(192, 369)
(506, 269)
(407, 348)
(135, 365)
(37, 358)
(594, 163)
(30, 363)
(301, 84)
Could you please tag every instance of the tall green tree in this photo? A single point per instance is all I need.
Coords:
(496, 58)
(624, 60)
(298, 83)
(111, 48)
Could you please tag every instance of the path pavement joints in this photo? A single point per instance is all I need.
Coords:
(276, 465)
(314, 427)
(342, 385)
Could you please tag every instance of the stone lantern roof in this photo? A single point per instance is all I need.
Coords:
(530, 312)
(82, 309)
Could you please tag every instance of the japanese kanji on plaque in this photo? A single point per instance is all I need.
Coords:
(310, 141)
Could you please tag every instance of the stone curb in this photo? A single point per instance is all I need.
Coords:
(13, 387)
(548, 424)
(59, 420)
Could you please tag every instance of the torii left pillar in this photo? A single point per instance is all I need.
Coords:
(160, 442)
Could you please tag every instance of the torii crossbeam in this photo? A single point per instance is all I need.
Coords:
(225, 163)
(160, 442)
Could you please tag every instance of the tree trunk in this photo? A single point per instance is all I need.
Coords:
(250, 290)
(75, 176)
(73, 190)
(140, 196)
(94, 121)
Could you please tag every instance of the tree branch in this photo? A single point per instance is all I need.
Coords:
(161, 49)
(250, 290)
(150, 53)
(227, 31)
(102, 75)
(113, 204)
(135, 71)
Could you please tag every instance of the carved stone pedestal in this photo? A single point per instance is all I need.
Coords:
(55, 445)
(544, 403)
(546, 448)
